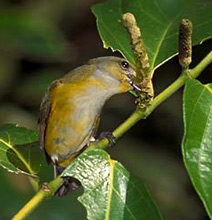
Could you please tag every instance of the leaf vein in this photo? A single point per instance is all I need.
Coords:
(159, 9)
(159, 45)
(149, 15)
(17, 153)
(112, 166)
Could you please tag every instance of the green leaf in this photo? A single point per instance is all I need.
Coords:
(109, 190)
(29, 34)
(197, 141)
(159, 21)
(18, 153)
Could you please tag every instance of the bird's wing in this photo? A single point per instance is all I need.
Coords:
(96, 126)
(92, 134)
(45, 109)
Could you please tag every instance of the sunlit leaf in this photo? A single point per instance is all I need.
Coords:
(197, 142)
(109, 190)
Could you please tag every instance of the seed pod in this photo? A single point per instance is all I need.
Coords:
(141, 56)
(185, 43)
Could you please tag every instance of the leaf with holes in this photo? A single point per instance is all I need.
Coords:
(158, 20)
(109, 190)
(18, 151)
(197, 142)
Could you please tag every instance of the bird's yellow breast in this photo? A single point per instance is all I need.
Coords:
(76, 101)
(72, 118)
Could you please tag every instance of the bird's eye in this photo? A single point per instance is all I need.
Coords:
(124, 64)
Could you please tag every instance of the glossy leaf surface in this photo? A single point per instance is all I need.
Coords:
(158, 20)
(109, 190)
(197, 142)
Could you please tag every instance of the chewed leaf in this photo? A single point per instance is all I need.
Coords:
(109, 190)
(159, 23)
(19, 151)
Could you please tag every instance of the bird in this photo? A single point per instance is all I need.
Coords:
(70, 110)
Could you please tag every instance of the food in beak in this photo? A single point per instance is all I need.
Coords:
(136, 88)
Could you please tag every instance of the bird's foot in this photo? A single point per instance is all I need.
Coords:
(70, 184)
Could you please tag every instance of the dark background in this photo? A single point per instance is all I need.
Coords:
(43, 40)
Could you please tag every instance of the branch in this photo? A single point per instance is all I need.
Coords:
(139, 114)
(48, 189)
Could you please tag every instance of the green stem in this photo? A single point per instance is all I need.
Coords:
(46, 191)
(128, 123)
(49, 189)
(170, 90)
(139, 114)
(201, 66)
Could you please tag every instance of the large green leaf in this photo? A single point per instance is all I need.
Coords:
(197, 142)
(18, 153)
(109, 190)
(159, 21)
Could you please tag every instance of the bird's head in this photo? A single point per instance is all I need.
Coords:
(116, 72)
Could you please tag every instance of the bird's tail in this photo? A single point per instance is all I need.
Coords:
(70, 184)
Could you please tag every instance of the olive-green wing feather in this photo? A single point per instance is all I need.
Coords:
(45, 109)
(96, 126)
